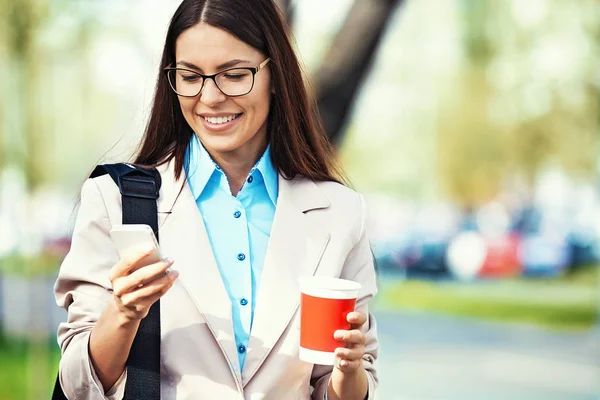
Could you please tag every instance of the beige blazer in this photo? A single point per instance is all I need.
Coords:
(318, 229)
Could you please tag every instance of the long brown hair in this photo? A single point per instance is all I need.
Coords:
(295, 132)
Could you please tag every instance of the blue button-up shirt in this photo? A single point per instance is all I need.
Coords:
(238, 228)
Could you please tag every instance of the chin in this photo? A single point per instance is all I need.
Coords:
(219, 143)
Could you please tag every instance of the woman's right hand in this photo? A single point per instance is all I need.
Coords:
(135, 289)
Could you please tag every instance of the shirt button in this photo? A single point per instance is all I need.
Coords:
(250, 179)
(241, 348)
(237, 214)
(241, 256)
(243, 302)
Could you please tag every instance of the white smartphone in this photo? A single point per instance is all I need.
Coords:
(130, 239)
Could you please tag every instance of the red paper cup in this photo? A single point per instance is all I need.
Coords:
(324, 307)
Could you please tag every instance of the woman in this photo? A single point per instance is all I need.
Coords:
(243, 163)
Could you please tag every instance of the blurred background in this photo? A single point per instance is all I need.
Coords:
(471, 126)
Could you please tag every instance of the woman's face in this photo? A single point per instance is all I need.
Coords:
(206, 49)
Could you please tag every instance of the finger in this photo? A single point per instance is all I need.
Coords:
(148, 298)
(124, 265)
(357, 319)
(348, 365)
(350, 337)
(142, 277)
(355, 353)
(152, 291)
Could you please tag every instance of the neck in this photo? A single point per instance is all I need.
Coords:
(237, 164)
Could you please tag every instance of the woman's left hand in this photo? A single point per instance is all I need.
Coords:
(350, 357)
(349, 379)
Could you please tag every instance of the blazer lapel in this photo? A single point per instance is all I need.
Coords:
(294, 250)
(183, 237)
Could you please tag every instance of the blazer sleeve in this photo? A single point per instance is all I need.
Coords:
(84, 290)
(358, 267)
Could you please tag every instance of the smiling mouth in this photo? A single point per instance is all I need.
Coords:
(221, 120)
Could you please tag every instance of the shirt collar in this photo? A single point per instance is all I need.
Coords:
(200, 167)
(270, 176)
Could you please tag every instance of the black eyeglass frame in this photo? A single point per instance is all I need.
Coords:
(254, 71)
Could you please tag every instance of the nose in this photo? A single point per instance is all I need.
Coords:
(210, 94)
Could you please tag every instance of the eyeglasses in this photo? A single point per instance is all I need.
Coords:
(231, 82)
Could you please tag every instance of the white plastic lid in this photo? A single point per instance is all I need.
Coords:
(329, 288)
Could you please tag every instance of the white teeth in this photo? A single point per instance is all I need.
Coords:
(220, 120)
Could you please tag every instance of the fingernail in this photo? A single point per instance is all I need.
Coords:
(338, 335)
(168, 260)
(173, 275)
(343, 363)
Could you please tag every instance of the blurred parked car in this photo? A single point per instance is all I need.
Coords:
(502, 257)
(490, 243)
(543, 255)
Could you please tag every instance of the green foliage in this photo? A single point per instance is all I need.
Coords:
(31, 106)
(39, 265)
(480, 107)
(19, 360)
(509, 112)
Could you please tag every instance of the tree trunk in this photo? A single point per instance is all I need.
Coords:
(348, 60)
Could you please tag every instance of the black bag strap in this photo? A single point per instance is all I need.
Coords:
(139, 191)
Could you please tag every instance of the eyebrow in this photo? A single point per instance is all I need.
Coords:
(225, 65)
